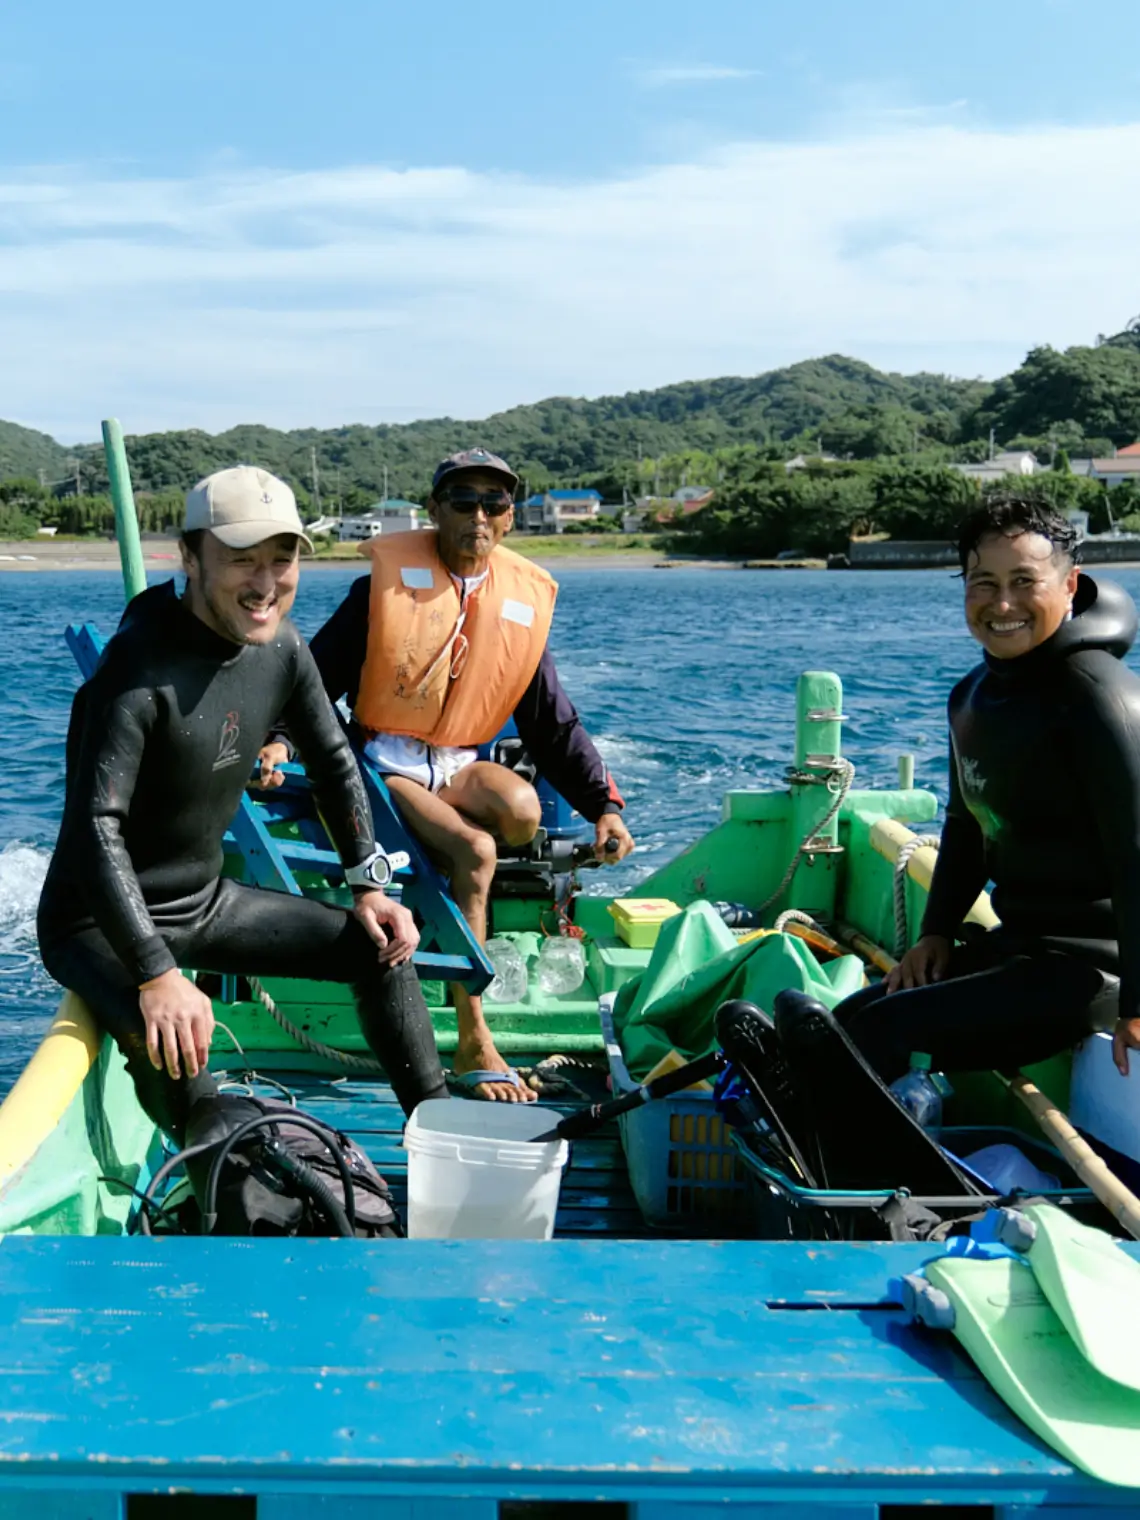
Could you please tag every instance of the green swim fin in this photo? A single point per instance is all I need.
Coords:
(1008, 1326)
(1093, 1286)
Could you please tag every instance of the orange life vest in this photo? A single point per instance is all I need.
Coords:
(438, 670)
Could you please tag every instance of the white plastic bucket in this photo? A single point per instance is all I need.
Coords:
(474, 1172)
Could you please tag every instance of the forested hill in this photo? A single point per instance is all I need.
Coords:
(25, 453)
(559, 438)
(1083, 399)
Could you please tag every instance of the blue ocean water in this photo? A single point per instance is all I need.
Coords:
(685, 677)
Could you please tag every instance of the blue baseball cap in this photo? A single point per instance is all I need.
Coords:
(474, 459)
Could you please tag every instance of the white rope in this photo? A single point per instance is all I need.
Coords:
(794, 916)
(218, 1023)
(902, 930)
(330, 1053)
(840, 784)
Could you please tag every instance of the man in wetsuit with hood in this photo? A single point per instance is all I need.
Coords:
(161, 744)
(1045, 803)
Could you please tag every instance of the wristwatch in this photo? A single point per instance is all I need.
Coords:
(377, 871)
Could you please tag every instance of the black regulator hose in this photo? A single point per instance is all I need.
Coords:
(164, 1171)
(265, 1121)
(312, 1182)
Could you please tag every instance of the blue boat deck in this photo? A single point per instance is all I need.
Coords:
(435, 1380)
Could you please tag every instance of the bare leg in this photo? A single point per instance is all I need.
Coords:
(459, 825)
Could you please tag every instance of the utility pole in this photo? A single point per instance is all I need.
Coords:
(41, 472)
(991, 443)
(78, 483)
(316, 478)
(384, 498)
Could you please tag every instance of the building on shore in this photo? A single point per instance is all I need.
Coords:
(1011, 462)
(1114, 472)
(659, 511)
(554, 511)
(391, 516)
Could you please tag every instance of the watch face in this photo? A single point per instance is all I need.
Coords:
(380, 872)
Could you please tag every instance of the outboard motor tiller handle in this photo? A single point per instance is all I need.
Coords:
(582, 855)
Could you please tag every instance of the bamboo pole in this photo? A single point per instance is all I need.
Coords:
(126, 518)
(867, 948)
(1120, 1201)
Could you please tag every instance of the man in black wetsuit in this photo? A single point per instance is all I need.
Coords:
(161, 744)
(1045, 803)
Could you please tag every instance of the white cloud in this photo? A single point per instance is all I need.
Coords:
(368, 294)
(690, 73)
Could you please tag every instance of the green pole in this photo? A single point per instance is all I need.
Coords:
(126, 518)
(819, 729)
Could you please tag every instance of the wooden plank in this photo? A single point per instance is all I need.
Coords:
(392, 1361)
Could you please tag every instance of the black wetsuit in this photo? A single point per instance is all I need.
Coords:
(162, 741)
(1045, 803)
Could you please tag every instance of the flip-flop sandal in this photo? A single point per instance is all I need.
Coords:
(468, 1081)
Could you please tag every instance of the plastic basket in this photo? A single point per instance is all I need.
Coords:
(778, 1195)
(685, 1172)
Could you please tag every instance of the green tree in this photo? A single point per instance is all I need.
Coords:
(16, 522)
(1096, 389)
(921, 502)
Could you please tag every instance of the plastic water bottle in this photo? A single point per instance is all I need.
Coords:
(509, 984)
(561, 966)
(919, 1096)
(737, 915)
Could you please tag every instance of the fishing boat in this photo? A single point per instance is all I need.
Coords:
(689, 1343)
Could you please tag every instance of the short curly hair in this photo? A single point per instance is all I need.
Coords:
(1013, 515)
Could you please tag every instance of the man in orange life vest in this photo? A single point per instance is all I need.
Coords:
(435, 650)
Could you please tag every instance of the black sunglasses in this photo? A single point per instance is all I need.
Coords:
(467, 499)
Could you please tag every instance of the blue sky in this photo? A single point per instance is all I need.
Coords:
(367, 212)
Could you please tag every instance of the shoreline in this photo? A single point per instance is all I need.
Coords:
(101, 554)
(161, 554)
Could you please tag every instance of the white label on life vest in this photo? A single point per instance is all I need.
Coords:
(416, 577)
(518, 612)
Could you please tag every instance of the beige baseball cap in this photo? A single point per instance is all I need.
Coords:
(243, 506)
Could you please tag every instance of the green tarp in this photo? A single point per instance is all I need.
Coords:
(696, 965)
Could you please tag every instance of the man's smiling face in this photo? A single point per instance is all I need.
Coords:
(1019, 591)
(243, 594)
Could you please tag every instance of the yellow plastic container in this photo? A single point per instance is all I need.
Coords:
(638, 919)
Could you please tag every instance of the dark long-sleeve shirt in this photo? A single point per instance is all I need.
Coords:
(162, 741)
(1045, 793)
(547, 721)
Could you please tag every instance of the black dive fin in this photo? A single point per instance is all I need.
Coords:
(867, 1140)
